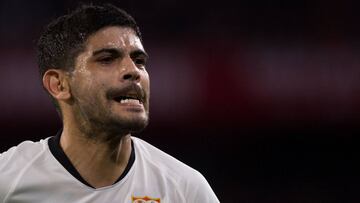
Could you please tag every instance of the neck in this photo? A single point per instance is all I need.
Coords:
(99, 161)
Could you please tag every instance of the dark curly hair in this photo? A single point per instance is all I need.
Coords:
(64, 38)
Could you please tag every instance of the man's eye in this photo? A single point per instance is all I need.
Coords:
(106, 60)
(140, 61)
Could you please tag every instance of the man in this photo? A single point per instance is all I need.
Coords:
(92, 64)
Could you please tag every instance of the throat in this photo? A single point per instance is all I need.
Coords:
(97, 164)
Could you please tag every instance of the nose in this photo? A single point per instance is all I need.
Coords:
(130, 70)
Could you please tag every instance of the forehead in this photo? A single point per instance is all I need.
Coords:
(114, 37)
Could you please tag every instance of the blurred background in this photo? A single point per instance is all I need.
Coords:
(262, 97)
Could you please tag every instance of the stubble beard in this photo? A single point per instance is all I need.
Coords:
(99, 123)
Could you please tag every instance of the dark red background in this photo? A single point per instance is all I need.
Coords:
(262, 97)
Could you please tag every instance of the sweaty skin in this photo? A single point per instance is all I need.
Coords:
(97, 129)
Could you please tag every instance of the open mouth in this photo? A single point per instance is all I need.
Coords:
(128, 99)
(131, 94)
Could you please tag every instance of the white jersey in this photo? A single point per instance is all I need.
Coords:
(31, 173)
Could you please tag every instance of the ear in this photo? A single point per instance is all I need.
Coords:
(56, 83)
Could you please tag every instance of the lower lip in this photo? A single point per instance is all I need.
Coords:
(131, 106)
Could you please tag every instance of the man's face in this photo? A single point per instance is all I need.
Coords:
(110, 85)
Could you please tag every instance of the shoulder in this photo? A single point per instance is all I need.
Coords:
(17, 159)
(194, 186)
(20, 154)
(161, 160)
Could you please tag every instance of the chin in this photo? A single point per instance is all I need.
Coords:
(133, 125)
(136, 126)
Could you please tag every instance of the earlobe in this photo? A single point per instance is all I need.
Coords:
(56, 83)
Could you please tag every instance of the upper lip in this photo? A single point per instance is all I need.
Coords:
(129, 95)
(131, 91)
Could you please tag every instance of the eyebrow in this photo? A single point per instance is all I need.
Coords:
(119, 52)
(139, 52)
(112, 51)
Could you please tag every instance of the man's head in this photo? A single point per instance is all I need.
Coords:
(93, 65)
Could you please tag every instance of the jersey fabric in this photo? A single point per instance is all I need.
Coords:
(40, 172)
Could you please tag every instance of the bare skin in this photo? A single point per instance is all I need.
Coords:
(95, 160)
(97, 127)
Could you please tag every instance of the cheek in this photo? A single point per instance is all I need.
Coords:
(146, 81)
(82, 86)
(86, 88)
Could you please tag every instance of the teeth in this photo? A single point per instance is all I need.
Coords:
(130, 101)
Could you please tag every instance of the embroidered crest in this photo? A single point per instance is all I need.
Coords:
(145, 199)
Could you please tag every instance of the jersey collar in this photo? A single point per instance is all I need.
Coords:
(59, 154)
